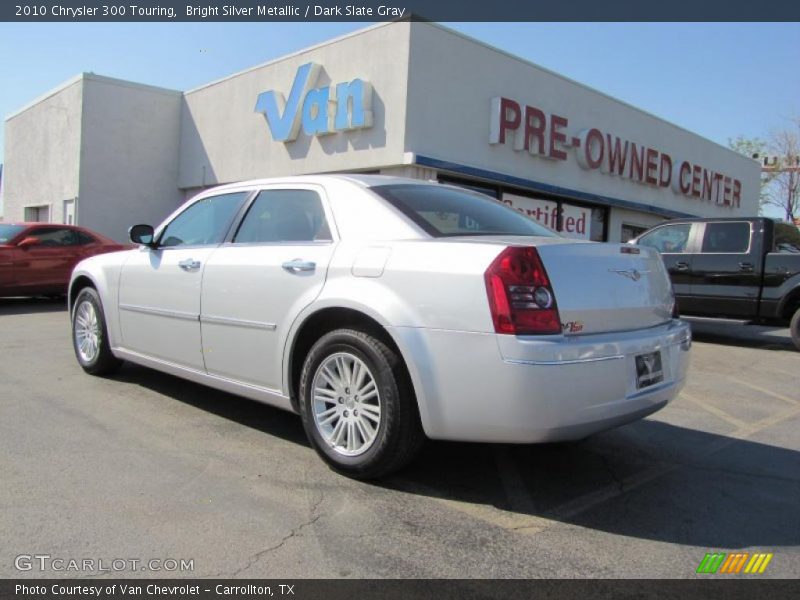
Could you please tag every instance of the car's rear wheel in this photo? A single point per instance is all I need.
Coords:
(794, 328)
(90, 335)
(357, 405)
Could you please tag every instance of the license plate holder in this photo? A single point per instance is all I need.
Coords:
(649, 370)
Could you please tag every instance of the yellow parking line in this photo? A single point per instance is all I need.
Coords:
(762, 390)
(581, 504)
(524, 522)
(714, 410)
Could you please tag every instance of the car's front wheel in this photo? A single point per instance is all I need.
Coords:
(357, 405)
(90, 335)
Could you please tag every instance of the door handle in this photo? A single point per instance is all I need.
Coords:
(299, 266)
(746, 267)
(681, 266)
(189, 264)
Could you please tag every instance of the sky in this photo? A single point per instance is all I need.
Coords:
(719, 80)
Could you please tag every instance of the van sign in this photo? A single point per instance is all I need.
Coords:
(318, 110)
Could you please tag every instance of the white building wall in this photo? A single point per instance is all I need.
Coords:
(129, 164)
(223, 139)
(42, 153)
(453, 79)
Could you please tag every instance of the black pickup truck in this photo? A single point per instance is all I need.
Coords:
(738, 268)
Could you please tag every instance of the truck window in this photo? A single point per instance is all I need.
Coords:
(728, 237)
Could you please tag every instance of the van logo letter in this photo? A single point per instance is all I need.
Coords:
(315, 109)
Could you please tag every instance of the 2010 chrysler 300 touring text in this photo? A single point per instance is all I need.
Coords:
(385, 310)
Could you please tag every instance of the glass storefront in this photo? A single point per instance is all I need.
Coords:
(572, 220)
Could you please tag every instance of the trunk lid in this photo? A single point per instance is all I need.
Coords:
(607, 287)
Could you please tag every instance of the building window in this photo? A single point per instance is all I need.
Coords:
(37, 214)
(69, 212)
(570, 220)
(475, 186)
(631, 231)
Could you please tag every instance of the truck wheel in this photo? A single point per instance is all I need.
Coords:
(358, 410)
(90, 335)
(794, 328)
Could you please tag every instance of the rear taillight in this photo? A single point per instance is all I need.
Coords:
(521, 298)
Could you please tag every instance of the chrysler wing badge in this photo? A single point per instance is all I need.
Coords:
(632, 274)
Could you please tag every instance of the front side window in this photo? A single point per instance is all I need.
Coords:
(204, 223)
(50, 237)
(284, 216)
(726, 238)
(443, 211)
(669, 239)
(7, 232)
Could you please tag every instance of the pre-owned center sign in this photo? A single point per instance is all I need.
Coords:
(546, 135)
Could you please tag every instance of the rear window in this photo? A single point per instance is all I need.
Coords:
(444, 211)
(7, 232)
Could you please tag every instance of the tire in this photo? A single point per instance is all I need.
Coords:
(794, 328)
(387, 433)
(90, 335)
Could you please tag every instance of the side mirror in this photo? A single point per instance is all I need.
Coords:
(142, 234)
(29, 241)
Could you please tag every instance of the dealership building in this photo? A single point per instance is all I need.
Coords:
(410, 99)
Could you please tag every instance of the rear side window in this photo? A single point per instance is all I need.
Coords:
(726, 238)
(443, 211)
(204, 222)
(84, 238)
(284, 216)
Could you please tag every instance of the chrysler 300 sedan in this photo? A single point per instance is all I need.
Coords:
(386, 310)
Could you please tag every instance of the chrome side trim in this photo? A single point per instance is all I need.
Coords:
(555, 363)
(161, 312)
(238, 322)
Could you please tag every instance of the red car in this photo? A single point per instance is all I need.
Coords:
(36, 259)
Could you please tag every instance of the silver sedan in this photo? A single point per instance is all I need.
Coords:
(386, 310)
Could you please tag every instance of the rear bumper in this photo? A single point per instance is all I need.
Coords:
(497, 388)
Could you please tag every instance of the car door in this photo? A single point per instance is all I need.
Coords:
(159, 289)
(726, 271)
(253, 286)
(674, 242)
(47, 265)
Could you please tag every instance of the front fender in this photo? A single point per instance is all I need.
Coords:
(103, 272)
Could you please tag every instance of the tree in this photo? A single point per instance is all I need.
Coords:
(754, 148)
(780, 173)
(784, 148)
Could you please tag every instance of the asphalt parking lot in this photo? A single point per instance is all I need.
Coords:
(146, 466)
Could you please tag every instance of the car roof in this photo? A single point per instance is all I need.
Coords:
(39, 224)
(363, 180)
(707, 219)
